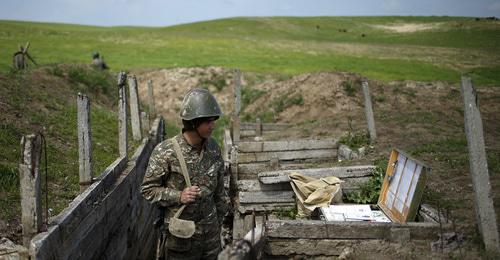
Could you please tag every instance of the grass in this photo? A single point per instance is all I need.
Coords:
(44, 100)
(285, 45)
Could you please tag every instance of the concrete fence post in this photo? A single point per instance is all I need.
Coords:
(237, 106)
(233, 181)
(84, 141)
(151, 99)
(135, 118)
(145, 123)
(485, 212)
(369, 111)
(122, 115)
(258, 127)
(31, 206)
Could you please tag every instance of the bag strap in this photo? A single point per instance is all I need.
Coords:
(184, 170)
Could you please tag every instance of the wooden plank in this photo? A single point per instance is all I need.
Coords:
(349, 184)
(248, 197)
(266, 126)
(289, 155)
(271, 146)
(271, 177)
(247, 133)
(317, 229)
(255, 185)
(266, 207)
(252, 169)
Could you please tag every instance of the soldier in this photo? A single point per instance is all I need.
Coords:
(207, 201)
(98, 62)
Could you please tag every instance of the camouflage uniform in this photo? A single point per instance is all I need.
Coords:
(206, 170)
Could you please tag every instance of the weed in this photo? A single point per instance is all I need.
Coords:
(450, 150)
(494, 162)
(249, 95)
(369, 192)
(286, 213)
(94, 81)
(349, 88)
(355, 140)
(380, 99)
(217, 80)
(285, 101)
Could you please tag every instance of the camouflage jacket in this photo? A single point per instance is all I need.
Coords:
(205, 170)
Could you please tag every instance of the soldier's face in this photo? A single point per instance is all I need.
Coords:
(207, 127)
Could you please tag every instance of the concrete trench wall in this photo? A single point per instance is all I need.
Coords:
(110, 219)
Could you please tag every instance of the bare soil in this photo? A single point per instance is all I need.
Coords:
(423, 118)
(409, 27)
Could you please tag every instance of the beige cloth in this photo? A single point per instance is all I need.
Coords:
(312, 193)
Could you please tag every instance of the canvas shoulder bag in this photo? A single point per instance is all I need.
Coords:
(180, 227)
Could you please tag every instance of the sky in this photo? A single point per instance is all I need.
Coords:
(172, 12)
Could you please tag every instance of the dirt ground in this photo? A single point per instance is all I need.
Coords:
(423, 118)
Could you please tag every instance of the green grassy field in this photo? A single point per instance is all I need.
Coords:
(438, 48)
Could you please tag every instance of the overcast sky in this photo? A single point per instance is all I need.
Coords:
(170, 12)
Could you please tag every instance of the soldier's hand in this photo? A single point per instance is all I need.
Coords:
(190, 194)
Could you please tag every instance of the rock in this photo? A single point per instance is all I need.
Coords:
(10, 251)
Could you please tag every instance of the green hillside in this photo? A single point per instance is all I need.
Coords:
(384, 48)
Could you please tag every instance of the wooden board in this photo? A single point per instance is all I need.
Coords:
(348, 185)
(265, 207)
(272, 146)
(266, 126)
(317, 229)
(250, 197)
(270, 177)
(330, 154)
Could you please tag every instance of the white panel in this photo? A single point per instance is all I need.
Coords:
(413, 185)
(405, 184)
(393, 186)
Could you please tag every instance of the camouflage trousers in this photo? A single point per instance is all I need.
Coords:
(204, 244)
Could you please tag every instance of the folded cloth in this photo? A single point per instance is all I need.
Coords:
(312, 193)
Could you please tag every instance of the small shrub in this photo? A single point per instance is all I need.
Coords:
(94, 81)
(56, 71)
(355, 140)
(369, 192)
(349, 88)
(380, 99)
(286, 213)
(284, 102)
(218, 81)
(249, 95)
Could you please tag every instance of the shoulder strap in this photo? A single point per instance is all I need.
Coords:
(182, 162)
(184, 171)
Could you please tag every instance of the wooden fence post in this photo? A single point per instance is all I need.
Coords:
(134, 108)
(485, 212)
(151, 99)
(31, 206)
(369, 111)
(84, 141)
(145, 123)
(122, 114)
(237, 106)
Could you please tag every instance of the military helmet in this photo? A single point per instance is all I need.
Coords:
(199, 102)
(95, 54)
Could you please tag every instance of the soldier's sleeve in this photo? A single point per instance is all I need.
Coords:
(221, 198)
(151, 187)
